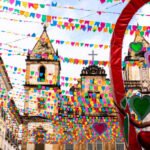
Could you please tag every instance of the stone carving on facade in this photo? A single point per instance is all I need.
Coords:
(93, 70)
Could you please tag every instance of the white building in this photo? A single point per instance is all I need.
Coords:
(7, 139)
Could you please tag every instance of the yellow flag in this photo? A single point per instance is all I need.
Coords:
(91, 23)
(26, 14)
(24, 4)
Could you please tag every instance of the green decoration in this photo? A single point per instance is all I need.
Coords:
(140, 105)
(110, 1)
(42, 5)
(123, 103)
(136, 47)
(42, 80)
(32, 72)
(95, 62)
(16, 11)
(105, 95)
(110, 31)
(39, 86)
(51, 41)
(139, 27)
(66, 59)
(107, 82)
(63, 26)
(77, 25)
(126, 128)
(108, 25)
(142, 33)
(81, 44)
(91, 87)
(43, 18)
(66, 84)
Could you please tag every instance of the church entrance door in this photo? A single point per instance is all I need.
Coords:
(39, 146)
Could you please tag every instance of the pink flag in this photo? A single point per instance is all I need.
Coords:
(11, 1)
(99, 12)
(102, 1)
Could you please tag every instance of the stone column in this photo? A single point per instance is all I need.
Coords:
(24, 136)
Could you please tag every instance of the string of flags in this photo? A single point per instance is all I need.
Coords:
(77, 61)
(68, 130)
(56, 41)
(78, 24)
(112, 1)
(35, 6)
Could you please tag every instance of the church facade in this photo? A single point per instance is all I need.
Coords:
(137, 76)
(44, 106)
(95, 87)
(136, 72)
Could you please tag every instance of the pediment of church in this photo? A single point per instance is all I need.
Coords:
(43, 48)
(140, 44)
(93, 70)
(141, 39)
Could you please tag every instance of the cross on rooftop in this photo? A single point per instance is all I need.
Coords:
(93, 54)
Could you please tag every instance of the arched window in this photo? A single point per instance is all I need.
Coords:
(40, 138)
(42, 74)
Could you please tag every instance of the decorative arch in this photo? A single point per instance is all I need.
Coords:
(40, 133)
(116, 61)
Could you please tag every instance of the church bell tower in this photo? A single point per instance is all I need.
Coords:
(42, 78)
(42, 91)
